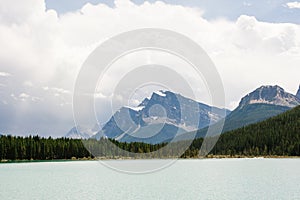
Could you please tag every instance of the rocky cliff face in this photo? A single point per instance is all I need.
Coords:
(164, 107)
(274, 95)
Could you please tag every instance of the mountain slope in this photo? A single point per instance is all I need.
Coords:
(279, 135)
(250, 114)
(176, 112)
(298, 93)
(153, 134)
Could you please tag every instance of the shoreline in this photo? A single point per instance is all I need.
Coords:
(167, 158)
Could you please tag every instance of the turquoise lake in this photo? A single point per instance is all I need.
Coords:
(185, 179)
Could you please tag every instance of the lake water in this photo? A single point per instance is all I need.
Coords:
(185, 179)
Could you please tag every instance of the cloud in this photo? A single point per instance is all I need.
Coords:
(56, 90)
(44, 52)
(28, 83)
(5, 74)
(247, 4)
(24, 95)
(293, 5)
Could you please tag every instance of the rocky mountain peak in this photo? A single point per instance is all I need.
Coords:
(164, 108)
(270, 95)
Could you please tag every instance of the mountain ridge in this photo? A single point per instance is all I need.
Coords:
(167, 108)
(260, 104)
(162, 110)
(249, 112)
(269, 94)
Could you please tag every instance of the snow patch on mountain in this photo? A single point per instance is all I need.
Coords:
(160, 93)
(139, 108)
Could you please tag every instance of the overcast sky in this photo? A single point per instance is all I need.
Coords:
(44, 44)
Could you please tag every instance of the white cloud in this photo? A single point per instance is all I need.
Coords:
(24, 95)
(99, 95)
(46, 88)
(13, 96)
(37, 46)
(293, 5)
(5, 74)
(36, 99)
(61, 90)
(56, 90)
(247, 4)
(28, 83)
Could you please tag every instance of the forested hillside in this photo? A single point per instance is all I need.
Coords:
(279, 135)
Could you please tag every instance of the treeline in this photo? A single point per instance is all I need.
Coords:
(277, 136)
(37, 148)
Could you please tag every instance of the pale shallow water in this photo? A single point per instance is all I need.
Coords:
(186, 179)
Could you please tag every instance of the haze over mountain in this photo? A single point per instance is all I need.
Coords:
(78, 132)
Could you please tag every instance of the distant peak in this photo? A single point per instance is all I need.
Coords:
(269, 94)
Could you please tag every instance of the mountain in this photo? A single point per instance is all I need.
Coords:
(164, 115)
(298, 93)
(153, 133)
(273, 95)
(81, 133)
(261, 104)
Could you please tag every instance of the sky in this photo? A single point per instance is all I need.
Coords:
(277, 11)
(44, 44)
